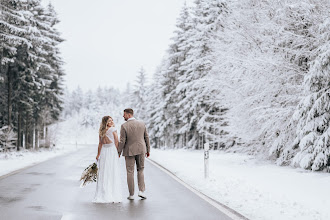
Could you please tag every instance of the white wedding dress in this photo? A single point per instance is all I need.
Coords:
(108, 188)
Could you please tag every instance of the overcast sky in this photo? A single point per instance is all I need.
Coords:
(107, 41)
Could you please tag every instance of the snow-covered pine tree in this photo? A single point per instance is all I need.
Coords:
(30, 67)
(169, 80)
(260, 75)
(155, 108)
(28, 60)
(25, 87)
(128, 97)
(299, 40)
(313, 113)
(30, 77)
(7, 138)
(77, 98)
(198, 116)
(19, 41)
(53, 72)
(47, 67)
(13, 32)
(139, 94)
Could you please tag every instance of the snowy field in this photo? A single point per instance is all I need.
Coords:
(12, 161)
(258, 190)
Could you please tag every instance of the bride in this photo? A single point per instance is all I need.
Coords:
(108, 188)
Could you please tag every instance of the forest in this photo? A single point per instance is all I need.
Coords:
(245, 75)
(31, 76)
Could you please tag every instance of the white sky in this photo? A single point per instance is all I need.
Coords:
(107, 41)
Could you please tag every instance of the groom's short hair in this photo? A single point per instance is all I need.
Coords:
(129, 111)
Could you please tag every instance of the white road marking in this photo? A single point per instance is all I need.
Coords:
(221, 207)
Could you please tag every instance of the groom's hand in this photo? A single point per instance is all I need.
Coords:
(147, 154)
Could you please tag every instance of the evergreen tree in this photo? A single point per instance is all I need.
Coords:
(53, 72)
(13, 32)
(155, 108)
(77, 98)
(172, 73)
(31, 68)
(139, 94)
(127, 96)
(195, 108)
(313, 113)
(304, 34)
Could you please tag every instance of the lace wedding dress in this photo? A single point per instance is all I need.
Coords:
(108, 188)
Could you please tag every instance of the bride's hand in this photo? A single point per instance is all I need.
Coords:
(97, 157)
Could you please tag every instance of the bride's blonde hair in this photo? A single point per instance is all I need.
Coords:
(104, 126)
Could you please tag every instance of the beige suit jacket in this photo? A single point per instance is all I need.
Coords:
(134, 139)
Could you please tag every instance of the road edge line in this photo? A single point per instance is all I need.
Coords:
(221, 207)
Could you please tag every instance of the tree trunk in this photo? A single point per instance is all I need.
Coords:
(36, 130)
(47, 138)
(185, 139)
(199, 142)
(33, 137)
(19, 131)
(26, 141)
(9, 86)
(202, 141)
(44, 131)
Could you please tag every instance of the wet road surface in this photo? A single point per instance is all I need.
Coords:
(50, 190)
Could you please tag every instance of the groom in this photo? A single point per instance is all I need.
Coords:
(134, 142)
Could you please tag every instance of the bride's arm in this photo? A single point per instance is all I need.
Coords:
(115, 135)
(99, 148)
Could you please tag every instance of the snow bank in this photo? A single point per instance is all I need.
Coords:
(258, 190)
(12, 161)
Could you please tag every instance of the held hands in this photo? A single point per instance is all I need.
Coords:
(97, 157)
(147, 154)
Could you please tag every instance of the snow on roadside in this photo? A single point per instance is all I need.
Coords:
(12, 161)
(258, 190)
(65, 135)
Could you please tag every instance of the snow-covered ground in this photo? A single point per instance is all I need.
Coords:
(12, 161)
(258, 190)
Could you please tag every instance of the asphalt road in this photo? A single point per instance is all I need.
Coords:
(50, 190)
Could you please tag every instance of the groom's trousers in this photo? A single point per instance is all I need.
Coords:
(130, 162)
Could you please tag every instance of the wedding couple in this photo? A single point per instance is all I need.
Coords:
(135, 146)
